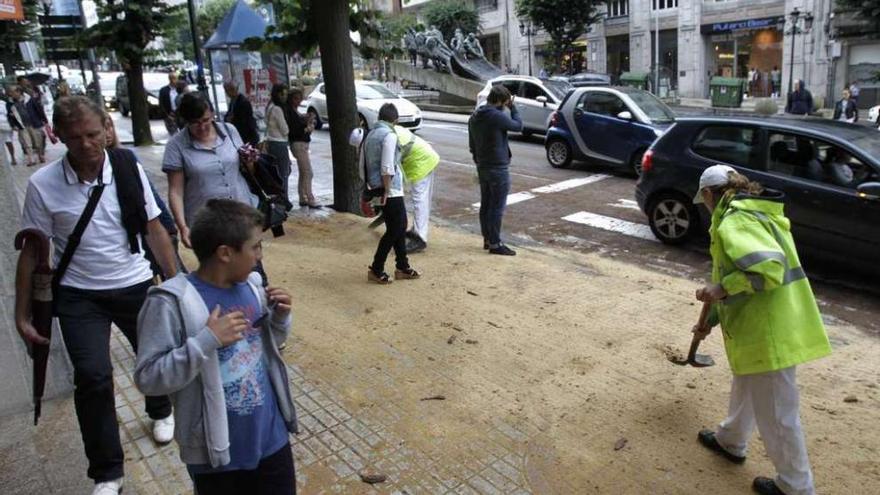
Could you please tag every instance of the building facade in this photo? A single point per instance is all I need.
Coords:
(691, 41)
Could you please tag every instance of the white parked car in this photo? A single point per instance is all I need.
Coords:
(536, 99)
(370, 97)
(874, 115)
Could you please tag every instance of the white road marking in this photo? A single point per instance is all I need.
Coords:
(625, 203)
(551, 188)
(569, 184)
(447, 127)
(612, 224)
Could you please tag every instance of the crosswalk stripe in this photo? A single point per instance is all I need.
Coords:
(551, 188)
(612, 224)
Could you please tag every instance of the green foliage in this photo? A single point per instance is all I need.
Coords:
(447, 15)
(294, 29)
(382, 36)
(564, 21)
(866, 9)
(129, 27)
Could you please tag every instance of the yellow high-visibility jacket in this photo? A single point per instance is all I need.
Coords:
(769, 319)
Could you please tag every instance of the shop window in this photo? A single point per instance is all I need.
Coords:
(664, 4)
(618, 8)
(733, 145)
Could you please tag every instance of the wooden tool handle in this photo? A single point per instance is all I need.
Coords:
(704, 314)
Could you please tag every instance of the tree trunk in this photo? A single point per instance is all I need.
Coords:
(137, 97)
(331, 20)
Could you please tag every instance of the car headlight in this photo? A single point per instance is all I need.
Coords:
(152, 100)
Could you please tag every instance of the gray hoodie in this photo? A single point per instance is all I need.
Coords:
(177, 356)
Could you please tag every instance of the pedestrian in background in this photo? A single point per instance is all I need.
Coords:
(845, 109)
(20, 121)
(210, 339)
(775, 79)
(277, 133)
(487, 135)
(202, 163)
(418, 161)
(383, 172)
(770, 323)
(854, 91)
(101, 281)
(240, 114)
(40, 121)
(168, 104)
(800, 101)
(300, 137)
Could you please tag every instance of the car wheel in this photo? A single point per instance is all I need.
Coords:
(636, 163)
(559, 153)
(362, 122)
(673, 218)
(317, 118)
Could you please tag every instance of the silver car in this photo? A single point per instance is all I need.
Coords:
(536, 99)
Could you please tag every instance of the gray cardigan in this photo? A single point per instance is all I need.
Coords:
(177, 356)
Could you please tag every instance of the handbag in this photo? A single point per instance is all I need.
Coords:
(267, 185)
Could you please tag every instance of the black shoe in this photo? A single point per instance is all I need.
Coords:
(485, 245)
(766, 486)
(707, 438)
(502, 250)
(415, 246)
(411, 234)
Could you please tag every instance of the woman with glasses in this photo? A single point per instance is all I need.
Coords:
(202, 163)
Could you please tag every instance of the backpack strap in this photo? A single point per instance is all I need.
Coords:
(130, 192)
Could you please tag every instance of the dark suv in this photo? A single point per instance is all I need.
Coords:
(828, 170)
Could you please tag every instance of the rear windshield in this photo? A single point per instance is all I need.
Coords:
(656, 110)
(373, 92)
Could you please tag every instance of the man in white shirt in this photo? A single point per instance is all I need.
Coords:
(105, 282)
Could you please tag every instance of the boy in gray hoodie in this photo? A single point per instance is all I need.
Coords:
(210, 341)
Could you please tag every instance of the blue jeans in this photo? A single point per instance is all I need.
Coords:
(494, 186)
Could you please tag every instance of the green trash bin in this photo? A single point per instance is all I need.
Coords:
(635, 80)
(726, 92)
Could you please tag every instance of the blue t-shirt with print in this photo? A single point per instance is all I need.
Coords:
(256, 427)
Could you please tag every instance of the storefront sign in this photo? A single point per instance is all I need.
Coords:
(727, 27)
(11, 10)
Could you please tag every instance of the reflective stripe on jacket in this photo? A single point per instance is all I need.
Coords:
(769, 319)
(417, 157)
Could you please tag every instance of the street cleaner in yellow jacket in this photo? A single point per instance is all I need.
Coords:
(770, 323)
(418, 161)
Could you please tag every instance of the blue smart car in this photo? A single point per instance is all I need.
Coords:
(612, 125)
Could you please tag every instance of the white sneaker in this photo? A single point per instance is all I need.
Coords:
(163, 429)
(113, 487)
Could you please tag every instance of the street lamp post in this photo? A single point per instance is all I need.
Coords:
(795, 16)
(200, 68)
(526, 29)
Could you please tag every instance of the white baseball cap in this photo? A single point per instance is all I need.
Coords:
(714, 176)
(356, 136)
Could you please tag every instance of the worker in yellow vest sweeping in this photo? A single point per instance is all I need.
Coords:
(770, 323)
(418, 160)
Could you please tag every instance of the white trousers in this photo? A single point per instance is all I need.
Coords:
(422, 191)
(770, 401)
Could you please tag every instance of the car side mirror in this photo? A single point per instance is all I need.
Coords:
(625, 115)
(542, 99)
(869, 190)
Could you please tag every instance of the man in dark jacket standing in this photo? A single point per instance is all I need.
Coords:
(487, 134)
(168, 103)
(845, 109)
(800, 101)
(241, 114)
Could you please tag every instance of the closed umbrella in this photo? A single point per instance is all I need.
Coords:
(41, 309)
